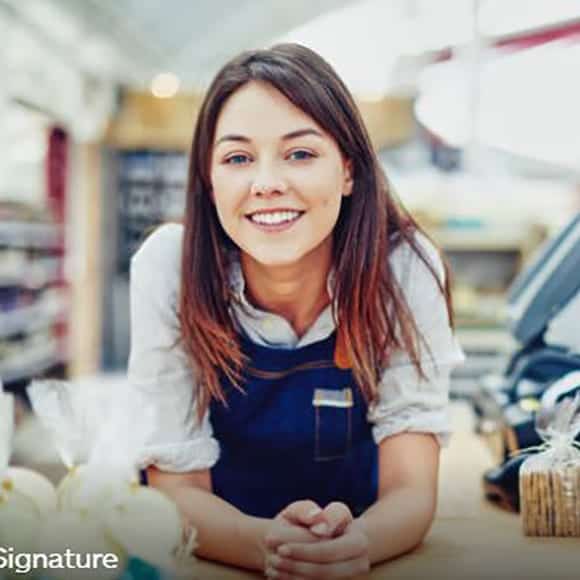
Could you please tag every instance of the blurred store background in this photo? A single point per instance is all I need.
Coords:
(473, 106)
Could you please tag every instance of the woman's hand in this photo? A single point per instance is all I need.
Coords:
(292, 525)
(339, 548)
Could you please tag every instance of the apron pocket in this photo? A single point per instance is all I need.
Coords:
(332, 424)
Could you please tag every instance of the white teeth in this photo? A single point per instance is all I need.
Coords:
(277, 217)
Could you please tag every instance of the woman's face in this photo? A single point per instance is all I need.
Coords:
(277, 177)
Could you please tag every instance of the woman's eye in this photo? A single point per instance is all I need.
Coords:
(300, 155)
(237, 159)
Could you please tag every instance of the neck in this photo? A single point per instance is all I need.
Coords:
(298, 291)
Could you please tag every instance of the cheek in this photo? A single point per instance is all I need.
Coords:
(328, 210)
(331, 199)
(327, 185)
(227, 192)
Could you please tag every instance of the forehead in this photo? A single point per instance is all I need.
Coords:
(260, 109)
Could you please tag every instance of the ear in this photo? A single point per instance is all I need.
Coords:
(348, 178)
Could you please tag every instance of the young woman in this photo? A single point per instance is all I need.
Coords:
(295, 334)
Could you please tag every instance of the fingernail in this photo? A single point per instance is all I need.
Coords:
(274, 560)
(284, 550)
(313, 512)
(320, 529)
(271, 573)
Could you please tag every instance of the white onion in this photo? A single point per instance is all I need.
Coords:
(32, 485)
(141, 519)
(147, 524)
(19, 521)
(69, 488)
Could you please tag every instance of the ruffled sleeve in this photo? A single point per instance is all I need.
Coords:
(406, 401)
(158, 367)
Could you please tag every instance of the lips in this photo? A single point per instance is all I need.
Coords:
(275, 217)
(274, 220)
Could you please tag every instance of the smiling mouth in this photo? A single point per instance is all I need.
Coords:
(275, 218)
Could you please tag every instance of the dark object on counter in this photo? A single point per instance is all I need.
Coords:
(545, 292)
(547, 286)
(530, 373)
(501, 484)
(519, 434)
(539, 374)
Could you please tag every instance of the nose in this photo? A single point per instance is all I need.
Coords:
(268, 187)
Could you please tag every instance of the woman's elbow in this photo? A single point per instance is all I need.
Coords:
(425, 506)
(169, 482)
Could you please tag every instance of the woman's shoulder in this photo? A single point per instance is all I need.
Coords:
(162, 248)
(409, 259)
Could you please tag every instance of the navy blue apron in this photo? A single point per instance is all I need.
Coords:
(298, 431)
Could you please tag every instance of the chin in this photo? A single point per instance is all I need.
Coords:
(273, 259)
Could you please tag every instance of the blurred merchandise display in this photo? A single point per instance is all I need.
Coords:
(545, 367)
(145, 188)
(151, 186)
(489, 227)
(485, 257)
(33, 299)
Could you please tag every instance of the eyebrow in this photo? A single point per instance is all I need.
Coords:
(287, 137)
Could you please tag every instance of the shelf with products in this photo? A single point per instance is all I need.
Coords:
(43, 311)
(485, 257)
(145, 188)
(20, 269)
(151, 190)
(33, 295)
(28, 235)
(25, 359)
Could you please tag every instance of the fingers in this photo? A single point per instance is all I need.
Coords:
(303, 513)
(284, 533)
(346, 547)
(290, 534)
(334, 520)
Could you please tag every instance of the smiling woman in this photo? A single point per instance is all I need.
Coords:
(295, 179)
(296, 334)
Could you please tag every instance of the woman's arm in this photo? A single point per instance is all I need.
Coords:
(223, 532)
(408, 477)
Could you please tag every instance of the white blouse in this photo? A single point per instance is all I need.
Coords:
(158, 368)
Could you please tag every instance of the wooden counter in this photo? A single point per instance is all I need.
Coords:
(470, 538)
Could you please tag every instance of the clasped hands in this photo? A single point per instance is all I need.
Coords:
(306, 541)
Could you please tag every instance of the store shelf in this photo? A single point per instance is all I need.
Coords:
(44, 313)
(30, 362)
(487, 350)
(29, 235)
(491, 340)
(490, 240)
(33, 297)
(489, 237)
(19, 270)
(151, 189)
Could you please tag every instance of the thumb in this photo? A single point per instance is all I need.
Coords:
(334, 520)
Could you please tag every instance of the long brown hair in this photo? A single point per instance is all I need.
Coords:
(371, 314)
